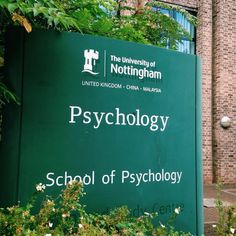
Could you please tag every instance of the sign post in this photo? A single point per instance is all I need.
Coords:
(123, 118)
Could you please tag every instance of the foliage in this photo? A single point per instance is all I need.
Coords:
(65, 215)
(100, 17)
(7, 95)
(226, 224)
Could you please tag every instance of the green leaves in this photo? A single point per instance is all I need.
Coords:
(65, 215)
(226, 224)
(102, 26)
(145, 25)
(6, 95)
(12, 7)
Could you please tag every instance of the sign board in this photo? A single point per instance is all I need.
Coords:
(122, 117)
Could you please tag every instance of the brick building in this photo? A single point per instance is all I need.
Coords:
(216, 44)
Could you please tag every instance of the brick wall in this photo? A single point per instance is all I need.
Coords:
(204, 49)
(224, 89)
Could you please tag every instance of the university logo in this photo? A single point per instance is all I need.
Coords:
(91, 57)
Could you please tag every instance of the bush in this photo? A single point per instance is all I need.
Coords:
(65, 215)
(226, 224)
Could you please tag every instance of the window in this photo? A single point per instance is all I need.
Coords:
(186, 45)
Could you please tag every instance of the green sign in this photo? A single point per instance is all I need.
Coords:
(121, 117)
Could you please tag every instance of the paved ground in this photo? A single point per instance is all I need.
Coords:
(228, 196)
